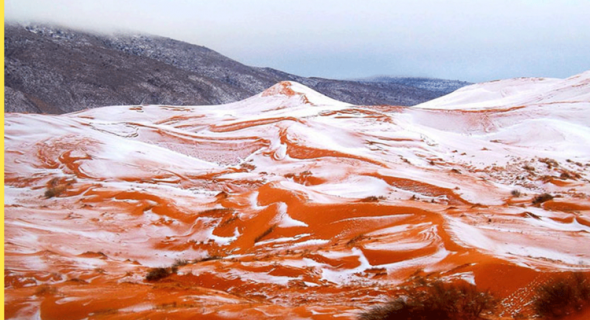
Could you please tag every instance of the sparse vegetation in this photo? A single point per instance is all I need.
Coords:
(209, 258)
(569, 175)
(563, 296)
(579, 164)
(355, 239)
(542, 198)
(549, 162)
(565, 176)
(247, 166)
(45, 289)
(155, 274)
(265, 233)
(435, 301)
(57, 186)
(54, 188)
(373, 199)
(51, 192)
(180, 263)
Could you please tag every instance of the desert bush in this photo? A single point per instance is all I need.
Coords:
(155, 274)
(542, 198)
(373, 199)
(51, 192)
(54, 188)
(57, 186)
(180, 263)
(565, 175)
(549, 162)
(208, 258)
(562, 296)
(436, 301)
(515, 193)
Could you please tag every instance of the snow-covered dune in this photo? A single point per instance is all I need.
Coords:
(515, 92)
(290, 204)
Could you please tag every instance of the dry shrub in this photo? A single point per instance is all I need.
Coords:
(180, 263)
(208, 258)
(436, 301)
(565, 175)
(549, 162)
(51, 192)
(57, 186)
(373, 199)
(542, 198)
(155, 274)
(562, 296)
(515, 193)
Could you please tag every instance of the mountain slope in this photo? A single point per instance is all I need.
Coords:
(291, 205)
(56, 70)
(436, 85)
(62, 71)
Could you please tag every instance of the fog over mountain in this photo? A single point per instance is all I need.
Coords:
(50, 69)
(474, 41)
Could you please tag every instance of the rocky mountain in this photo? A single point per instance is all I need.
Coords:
(52, 69)
(436, 85)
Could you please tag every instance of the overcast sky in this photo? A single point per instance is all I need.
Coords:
(473, 40)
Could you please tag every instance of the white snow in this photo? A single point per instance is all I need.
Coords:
(186, 155)
(511, 248)
(285, 221)
(355, 187)
(342, 276)
(515, 92)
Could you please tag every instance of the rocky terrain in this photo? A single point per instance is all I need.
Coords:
(293, 205)
(440, 86)
(51, 69)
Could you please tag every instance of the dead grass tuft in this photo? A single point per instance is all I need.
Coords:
(542, 198)
(562, 296)
(435, 301)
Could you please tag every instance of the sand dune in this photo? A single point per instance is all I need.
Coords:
(291, 205)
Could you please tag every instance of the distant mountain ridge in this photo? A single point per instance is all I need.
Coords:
(436, 85)
(50, 69)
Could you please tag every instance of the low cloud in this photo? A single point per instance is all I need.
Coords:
(466, 40)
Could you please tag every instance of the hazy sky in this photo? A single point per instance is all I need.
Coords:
(473, 40)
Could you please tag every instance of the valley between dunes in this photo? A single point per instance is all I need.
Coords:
(291, 205)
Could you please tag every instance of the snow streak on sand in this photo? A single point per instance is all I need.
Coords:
(291, 205)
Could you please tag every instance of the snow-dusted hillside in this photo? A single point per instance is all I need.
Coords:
(292, 205)
(516, 92)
